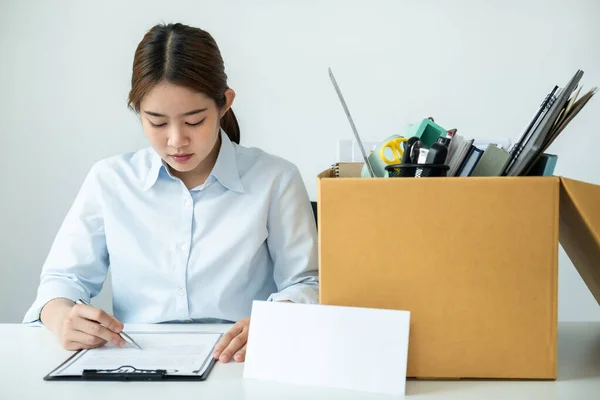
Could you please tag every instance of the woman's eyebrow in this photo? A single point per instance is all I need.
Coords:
(185, 114)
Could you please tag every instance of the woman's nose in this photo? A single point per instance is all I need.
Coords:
(177, 138)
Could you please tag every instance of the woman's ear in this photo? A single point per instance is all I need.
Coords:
(229, 97)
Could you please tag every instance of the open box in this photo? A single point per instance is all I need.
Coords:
(474, 259)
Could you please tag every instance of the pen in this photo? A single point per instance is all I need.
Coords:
(122, 334)
(422, 156)
(423, 152)
(415, 150)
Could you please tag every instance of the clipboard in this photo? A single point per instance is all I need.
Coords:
(127, 372)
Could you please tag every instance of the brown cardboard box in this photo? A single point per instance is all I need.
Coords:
(474, 259)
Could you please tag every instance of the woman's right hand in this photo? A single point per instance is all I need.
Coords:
(79, 326)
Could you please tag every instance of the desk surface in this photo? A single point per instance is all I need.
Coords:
(27, 354)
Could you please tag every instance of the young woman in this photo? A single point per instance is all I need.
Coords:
(194, 227)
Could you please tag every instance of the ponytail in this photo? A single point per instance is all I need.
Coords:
(230, 125)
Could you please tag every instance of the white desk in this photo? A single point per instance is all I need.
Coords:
(27, 354)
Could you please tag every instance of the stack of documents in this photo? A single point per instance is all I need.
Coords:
(559, 108)
(458, 151)
(527, 156)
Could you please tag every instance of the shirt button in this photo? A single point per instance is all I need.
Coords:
(188, 203)
(183, 247)
(181, 292)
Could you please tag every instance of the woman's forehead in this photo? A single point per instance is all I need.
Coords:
(172, 100)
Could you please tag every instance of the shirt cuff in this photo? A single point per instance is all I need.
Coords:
(50, 290)
(298, 293)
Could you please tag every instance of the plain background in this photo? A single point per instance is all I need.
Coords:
(482, 67)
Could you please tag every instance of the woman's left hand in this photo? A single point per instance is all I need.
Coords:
(233, 343)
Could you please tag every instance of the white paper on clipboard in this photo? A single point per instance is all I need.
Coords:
(179, 353)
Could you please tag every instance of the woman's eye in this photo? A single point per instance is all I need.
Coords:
(196, 124)
(157, 125)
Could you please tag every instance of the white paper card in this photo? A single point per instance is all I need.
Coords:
(331, 346)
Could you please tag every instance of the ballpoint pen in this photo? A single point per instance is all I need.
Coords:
(122, 334)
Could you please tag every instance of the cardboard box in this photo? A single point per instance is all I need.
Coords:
(474, 259)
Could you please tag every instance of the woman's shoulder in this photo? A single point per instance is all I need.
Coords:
(255, 160)
(129, 165)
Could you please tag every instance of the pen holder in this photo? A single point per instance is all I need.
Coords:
(416, 170)
(401, 170)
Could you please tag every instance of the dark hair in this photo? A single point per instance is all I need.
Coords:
(186, 56)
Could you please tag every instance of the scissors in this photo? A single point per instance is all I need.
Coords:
(395, 145)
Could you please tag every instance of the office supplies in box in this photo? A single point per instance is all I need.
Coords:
(462, 157)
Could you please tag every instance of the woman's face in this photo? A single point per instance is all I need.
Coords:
(182, 125)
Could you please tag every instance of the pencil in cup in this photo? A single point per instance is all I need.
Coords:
(122, 334)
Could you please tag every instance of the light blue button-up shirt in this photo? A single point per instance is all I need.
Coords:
(248, 233)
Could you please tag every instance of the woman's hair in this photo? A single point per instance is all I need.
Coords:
(185, 56)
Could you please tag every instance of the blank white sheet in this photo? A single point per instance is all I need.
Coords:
(352, 348)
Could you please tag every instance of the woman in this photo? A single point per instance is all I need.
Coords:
(194, 227)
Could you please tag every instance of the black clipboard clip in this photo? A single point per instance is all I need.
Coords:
(125, 373)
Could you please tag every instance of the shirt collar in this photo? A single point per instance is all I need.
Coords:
(156, 163)
(225, 169)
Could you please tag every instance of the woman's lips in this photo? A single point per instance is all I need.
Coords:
(181, 158)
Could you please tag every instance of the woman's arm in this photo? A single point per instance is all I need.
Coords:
(75, 268)
(292, 242)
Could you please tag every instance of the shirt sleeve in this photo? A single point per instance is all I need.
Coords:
(292, 242)
(77, 262)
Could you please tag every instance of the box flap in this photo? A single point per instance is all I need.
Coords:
(580, 229)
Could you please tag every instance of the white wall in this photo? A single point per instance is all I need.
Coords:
(480, 66)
